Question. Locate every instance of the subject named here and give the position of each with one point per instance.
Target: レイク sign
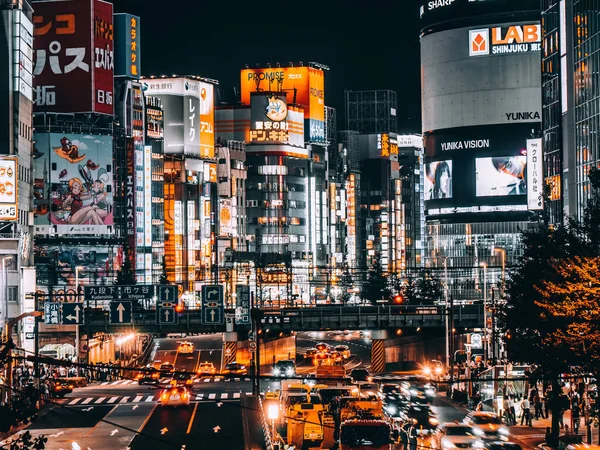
(502, 40)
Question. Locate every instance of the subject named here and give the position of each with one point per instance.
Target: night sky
(368, 44)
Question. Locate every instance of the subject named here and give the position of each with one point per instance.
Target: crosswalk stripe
(126, 382)
(249, 394)
(246, 379)
(224, 396)
(199, 396)
(207, 380)
(150, 398)
(100, 400)
(74, 401)
(137, 399)
(114, 383)
(87, 400)
(236, 395)
(236, 379)
(124, 400)
(217, 380)
(104, 383)
(112, 399)
(212, 396)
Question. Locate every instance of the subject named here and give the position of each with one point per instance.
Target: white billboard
(535, 175)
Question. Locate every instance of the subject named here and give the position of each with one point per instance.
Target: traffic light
(398, 299)
(180, 306)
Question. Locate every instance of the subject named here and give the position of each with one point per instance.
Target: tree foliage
(25, 441)
(428, 289)
(125, 276)
(346, 284)
(376, 286)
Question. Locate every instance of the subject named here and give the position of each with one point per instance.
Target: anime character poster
(73, 183)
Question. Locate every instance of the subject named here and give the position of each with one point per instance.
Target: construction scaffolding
(371, 111)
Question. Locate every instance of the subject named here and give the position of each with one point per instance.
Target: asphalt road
(121, 414)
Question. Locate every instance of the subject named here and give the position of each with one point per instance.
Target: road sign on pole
(120, 312)
(52, 313)
(167, 293)
(72, 314)
(242, 310)
(212, 305)
(166, 316)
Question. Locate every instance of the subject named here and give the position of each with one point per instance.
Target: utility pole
(447, 312)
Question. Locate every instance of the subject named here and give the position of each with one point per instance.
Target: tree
(428, 288)
(408, 290)
(25, 441)
(163, 276)
(346, 285)
(376, 286)
(125, 276)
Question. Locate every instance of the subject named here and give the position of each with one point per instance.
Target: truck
(310, 426)
(334, 375)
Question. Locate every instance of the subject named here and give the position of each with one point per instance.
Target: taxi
(185, 348)
(206, 368)
(235, 368)
(175, 396)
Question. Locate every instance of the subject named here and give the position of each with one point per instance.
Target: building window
(12, 293)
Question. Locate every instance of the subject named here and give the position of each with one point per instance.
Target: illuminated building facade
(190, 179)
(477, 125)
(570, 127)
(16, 163)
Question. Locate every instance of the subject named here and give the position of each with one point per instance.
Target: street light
(485, 266)
(273, 414)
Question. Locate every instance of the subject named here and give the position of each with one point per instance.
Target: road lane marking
(224, 395)
(87, 400)
(189, 428)
(126, 382)
(112, 399)
(124, 400)
(199, 396)
(76, 400)
(236, 395)
(137, 399)
(249, 394)
(212, 396)
(100, 400)
(207, 380)
(150, 398)
(104, 383)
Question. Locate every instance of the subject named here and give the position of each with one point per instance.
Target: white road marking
(87, 400)
(100, 400)
(236, 395)
(112, 399)
(212, 396)
(74, 401)
(104, 383)
(137, 399)
(124, 400)
(224, 395)
(150, 398)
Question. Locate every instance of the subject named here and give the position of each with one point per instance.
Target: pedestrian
(525, 415)
(513, 416)
(412, 436)
(506, 409)
(537, 404)
(575, 417)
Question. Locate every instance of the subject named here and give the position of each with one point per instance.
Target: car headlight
(504, 431)
(289, 372)
(427, 371)
(478, 444)
(478, 432)
(438, 370)
(434, 421)
(429, 392)
(391, 410)
(277, 372)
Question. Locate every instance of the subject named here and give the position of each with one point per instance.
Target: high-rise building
(371, 111)
(16, 156)
(481, 102)
(570, 97)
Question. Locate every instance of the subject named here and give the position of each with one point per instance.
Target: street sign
(251, 336)
(476, 341)
(120, 312)
(166, 316)
(252, 346)
(29, 335)
(212, 305)
(72, 314)
(242, 310)
(167, 293)
(52, 313)
(113, 292)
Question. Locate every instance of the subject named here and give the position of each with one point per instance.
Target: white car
(487, 425)
(458, 435)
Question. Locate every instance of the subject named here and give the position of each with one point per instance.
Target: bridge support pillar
(378, 338)
(230, 340)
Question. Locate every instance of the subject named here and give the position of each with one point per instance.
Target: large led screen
(438, 180)
(501, 176)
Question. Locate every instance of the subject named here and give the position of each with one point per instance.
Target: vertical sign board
(73, 42)
(52, 313)
(127, 46)
(8, 189)
(242, 310)
(535, 175)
